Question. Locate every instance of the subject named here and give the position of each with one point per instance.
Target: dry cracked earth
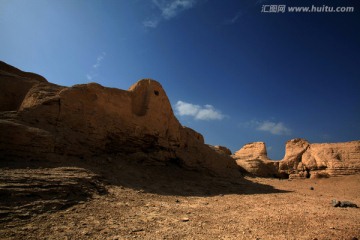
(139, 201)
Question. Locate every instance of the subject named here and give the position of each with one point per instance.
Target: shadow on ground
(33, 186)
(173, 179)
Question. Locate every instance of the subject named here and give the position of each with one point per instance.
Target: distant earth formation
(302, 159)
(41, 120)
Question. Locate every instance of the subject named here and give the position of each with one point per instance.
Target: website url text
(312, 9)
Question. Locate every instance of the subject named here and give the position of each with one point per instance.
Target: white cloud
(278, 128)
(207, 112)
(169, 9)
(99, 60)
(186, 109)
(93, 73)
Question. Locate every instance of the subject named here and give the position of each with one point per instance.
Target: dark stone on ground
(343, 204)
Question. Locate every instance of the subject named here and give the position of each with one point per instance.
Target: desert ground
(143, 201)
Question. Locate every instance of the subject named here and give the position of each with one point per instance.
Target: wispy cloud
(246, 8)
(235, 18)
(276, 128)
(206, 112)
(151, 23)
(90, 76)
(169, 9)
(94, 71)
(99, 60)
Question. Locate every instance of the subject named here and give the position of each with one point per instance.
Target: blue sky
(232, 72)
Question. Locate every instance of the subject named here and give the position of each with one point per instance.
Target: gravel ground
(170, 203)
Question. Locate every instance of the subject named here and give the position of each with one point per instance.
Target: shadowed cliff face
(302, 159)
(14, 86)
(44, 119)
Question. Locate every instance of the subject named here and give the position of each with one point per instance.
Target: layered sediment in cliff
(302, 159)
(41, 119)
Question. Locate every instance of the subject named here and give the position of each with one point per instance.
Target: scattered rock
(343, 204)
(185, 219)
(335, 203)
(348, 204)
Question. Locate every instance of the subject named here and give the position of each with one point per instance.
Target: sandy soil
(166, 202)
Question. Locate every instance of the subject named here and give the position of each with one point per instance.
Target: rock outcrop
(38, 118)
(14, 86)
(26, 192)
(253, 159)
(302, 159)
(326, 159)
(221, 149)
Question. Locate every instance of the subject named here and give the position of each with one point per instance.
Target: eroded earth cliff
(41, 120)
(302, 159)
